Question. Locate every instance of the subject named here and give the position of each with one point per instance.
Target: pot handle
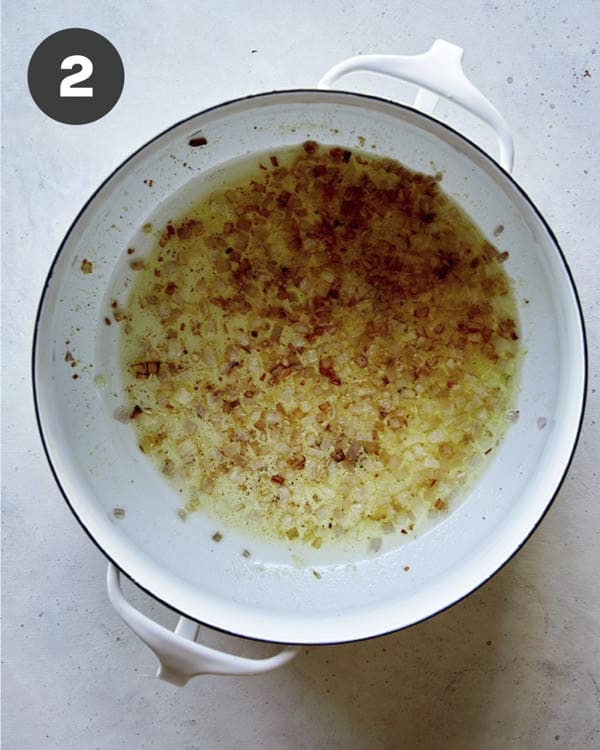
(179, 656)
(437, 72)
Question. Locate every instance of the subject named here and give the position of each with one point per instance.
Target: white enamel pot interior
(274, 594)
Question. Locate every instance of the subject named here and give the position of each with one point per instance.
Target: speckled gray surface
(517, 664)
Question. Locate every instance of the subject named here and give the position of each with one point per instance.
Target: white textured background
(517, 664)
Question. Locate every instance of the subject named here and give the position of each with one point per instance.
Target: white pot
(270, 596)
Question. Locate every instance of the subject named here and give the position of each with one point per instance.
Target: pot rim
(324, 94)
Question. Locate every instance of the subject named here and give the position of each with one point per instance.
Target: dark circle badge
(76, 76)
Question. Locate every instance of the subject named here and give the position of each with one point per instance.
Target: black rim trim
(486, 157)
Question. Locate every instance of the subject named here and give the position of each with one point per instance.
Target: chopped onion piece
(276, 332)
(209, 357)
(375, 544)
(353, 450)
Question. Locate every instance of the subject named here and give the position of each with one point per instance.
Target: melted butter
(322, 350)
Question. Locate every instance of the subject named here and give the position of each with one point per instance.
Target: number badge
(76, 76)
